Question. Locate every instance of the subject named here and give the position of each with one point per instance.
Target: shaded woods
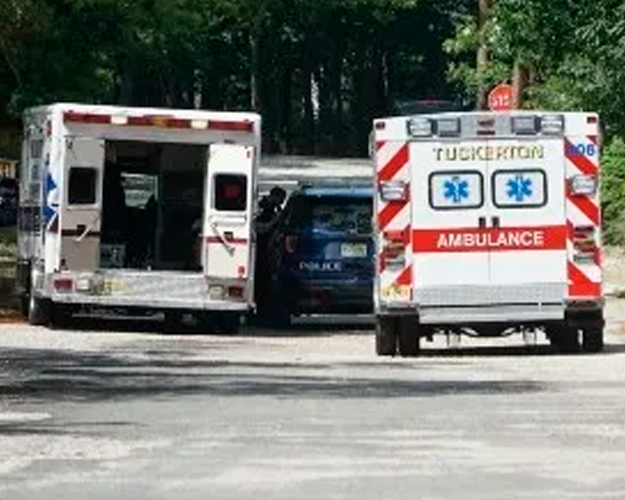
(318, 71)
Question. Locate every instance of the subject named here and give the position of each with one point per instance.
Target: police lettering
(515, 239)
(489, 153)
(320, 266)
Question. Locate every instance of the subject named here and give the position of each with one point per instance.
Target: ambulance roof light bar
(552, 124)
(419, 127)
(532, 124)
(525, 124)
(426, 127)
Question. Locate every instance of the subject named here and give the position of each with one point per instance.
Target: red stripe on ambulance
(489, 239)
(584, 213)
(394, 165)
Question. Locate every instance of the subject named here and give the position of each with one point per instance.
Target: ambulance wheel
(38, 310)
(386, 336)
(565, 340)
(61, 316)
(592, 339)
(172, 321)
(409, 340)
(229, 323)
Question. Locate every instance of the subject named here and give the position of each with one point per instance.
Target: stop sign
(500, 97)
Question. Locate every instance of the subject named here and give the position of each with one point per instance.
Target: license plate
(353, 250)
(109, 286)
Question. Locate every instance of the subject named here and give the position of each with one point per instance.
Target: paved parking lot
(312, 414)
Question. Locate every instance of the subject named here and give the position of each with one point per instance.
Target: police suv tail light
(448, 127)
(525, 125)
(552, 124)
(419, 127)
(583, 184)
(290, 243)
(393, 190)
(584, 244)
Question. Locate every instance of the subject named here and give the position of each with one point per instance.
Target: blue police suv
(321, 254)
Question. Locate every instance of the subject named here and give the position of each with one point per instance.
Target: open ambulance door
(81, 204)
(228, 211)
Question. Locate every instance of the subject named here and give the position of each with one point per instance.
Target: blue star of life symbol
(519, 188)
(456, 189)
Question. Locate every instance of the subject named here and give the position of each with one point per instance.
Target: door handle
(495, 221)
(482, 222)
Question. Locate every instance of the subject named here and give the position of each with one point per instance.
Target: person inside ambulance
(265, 224)
(114, 209)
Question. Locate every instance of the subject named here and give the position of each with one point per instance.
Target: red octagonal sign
(500, 97)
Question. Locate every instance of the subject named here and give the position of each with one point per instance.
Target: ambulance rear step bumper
(499, 313)
(154, 290)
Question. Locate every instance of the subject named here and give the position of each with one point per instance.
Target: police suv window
(82, 188)
(456, 190)
(519, 188)
(230, 192)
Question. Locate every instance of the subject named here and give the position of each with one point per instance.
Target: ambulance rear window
(82, 186)
(456, 190)
(519, 188)
(230, 192)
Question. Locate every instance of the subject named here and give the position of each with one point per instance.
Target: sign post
(500, 98)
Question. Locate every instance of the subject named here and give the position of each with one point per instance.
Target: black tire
(38, 311)
(409, 340)
(592, 339)
(229, 323)
(172, 321)
(277, 313)
(61, 316)
(386, 336)
(565, 340)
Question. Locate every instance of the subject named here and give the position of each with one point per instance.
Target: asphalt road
(314, 415)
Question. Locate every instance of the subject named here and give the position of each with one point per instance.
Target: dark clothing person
(265, 224)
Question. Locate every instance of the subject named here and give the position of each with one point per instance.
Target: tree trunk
(482, 54)
(520, 78)
(255, 64)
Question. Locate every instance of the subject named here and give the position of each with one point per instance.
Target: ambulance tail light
(583, 185)
(395, 190)
(585, 244)
(419, 127)
(394, 249)
(393, 254)
(63, 285)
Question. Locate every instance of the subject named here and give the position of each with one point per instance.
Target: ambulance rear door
(527, 216)
(228, 211)
(448, 186)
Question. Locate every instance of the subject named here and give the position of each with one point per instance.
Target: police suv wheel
(386, 336)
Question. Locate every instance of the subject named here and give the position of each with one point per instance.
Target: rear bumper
(150, 290)
(329, 297)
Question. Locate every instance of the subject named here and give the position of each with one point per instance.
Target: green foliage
(613, 192)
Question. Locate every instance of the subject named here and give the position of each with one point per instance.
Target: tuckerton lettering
(492, 240)
(489, 153)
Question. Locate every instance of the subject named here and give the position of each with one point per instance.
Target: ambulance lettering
(488, 240)
(489, 153)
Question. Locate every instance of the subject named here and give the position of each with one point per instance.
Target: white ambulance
(139, 209)
(488, 223)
